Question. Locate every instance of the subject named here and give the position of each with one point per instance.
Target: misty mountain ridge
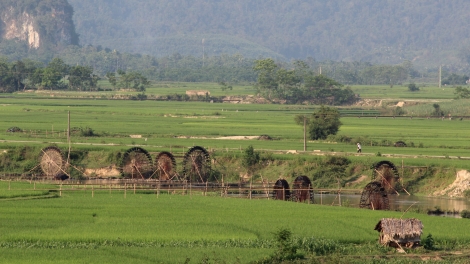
(422, 31)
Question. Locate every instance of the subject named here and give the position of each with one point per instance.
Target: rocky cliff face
(39, 26)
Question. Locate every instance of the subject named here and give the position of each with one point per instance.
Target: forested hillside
(423, 31)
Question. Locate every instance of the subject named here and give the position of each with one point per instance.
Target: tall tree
(267, 84)
(322, 123)
(82, 78)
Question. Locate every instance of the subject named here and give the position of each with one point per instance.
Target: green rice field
(110, 227)
(43, 223)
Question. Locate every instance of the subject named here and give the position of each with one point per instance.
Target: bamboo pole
(158, 189)
(250, 190)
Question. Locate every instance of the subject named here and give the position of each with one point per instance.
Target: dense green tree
(267, 84)
(384, 74)
(455, 79)
(7, 84)
(412, 87)
(299, 85)
(53, 74)
(323, 122)
(250, 158)
(82, 78)
(461, 92)
(437, 110)
(111, 76)
(132, 80)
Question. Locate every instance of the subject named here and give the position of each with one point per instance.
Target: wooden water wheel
(374, 196)
(387, 174)
(281, 190)
(400, 144)
(302, 189)
(165, 166)
(197, 165)
(52, 162)
(136, 163)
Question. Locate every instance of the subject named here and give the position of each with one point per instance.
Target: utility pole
(305, 133)
(440, 74)
(203, 55)
(68, 128)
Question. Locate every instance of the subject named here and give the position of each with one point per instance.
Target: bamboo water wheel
(165, 166)
(197, 165)
(52, 162)
(281, 190)
(375, 197)
(387, 174)
(136, 163)
(302, 189)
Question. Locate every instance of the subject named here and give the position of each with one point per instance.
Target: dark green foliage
(322, 123)
(225, 86)
(461, 92)
(398, 111)
(19, 159)
(429, 243)
(286, 248)
(81, 78)
(384, 74)
(465, 214)
(132, 80)
(87, 132)
(437, 110)
(455, 79)
(250, 157)
(413, 87)
(331, 172)
(299, 85)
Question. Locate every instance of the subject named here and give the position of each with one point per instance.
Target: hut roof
(402, 228)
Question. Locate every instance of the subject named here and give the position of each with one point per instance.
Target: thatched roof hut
(400, 232)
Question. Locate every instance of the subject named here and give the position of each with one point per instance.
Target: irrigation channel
(328, 197)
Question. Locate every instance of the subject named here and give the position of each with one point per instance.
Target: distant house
(197, 92)
(400, 232)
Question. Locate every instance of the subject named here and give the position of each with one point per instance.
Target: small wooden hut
(400, 232)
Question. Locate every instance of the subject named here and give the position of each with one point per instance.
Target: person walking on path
(359, 149)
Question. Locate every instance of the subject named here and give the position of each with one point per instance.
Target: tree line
(39, 69)
(57, 75)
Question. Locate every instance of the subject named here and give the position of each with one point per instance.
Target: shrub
(413, 87)
(465, 214)
(428, 243)
(87, 132)
(250, 157)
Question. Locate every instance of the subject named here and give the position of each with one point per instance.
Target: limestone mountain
(38, 24)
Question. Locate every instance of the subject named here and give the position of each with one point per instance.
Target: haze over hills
(422, 31)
